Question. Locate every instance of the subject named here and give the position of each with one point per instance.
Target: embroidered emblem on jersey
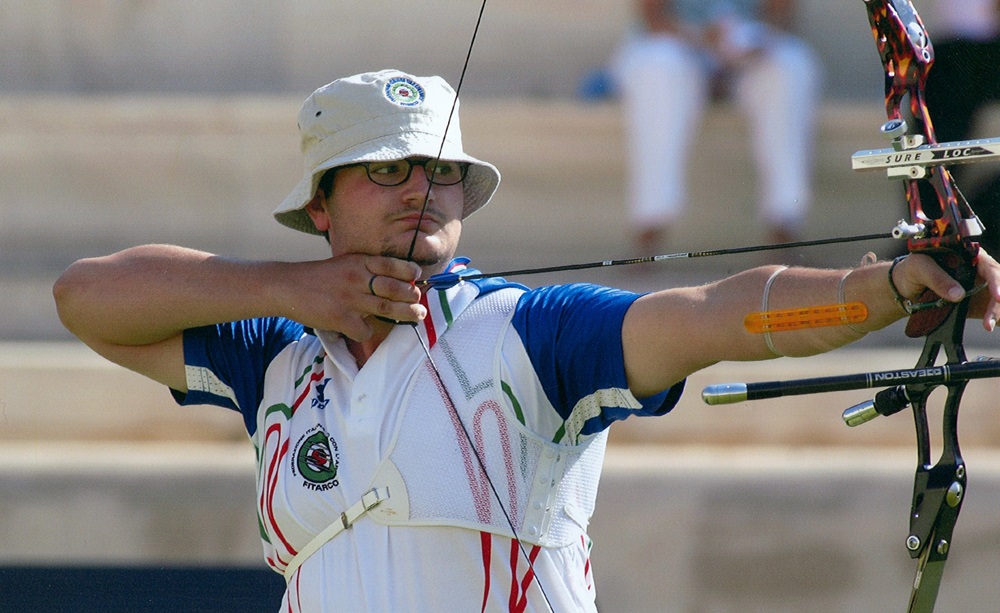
(320, 401)
(404, 92)
(316, 460)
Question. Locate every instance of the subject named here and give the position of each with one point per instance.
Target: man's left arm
(671, 334)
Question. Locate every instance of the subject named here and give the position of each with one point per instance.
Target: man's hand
(918, 272)
(986, 304)
(345, 293)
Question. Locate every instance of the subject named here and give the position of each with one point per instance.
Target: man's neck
(362, 350)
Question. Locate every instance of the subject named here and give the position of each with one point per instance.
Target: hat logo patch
(404, 91)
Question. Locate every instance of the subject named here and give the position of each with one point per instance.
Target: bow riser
(907, 56)
(950, 228)
(950, 233)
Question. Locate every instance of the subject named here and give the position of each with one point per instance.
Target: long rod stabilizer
(729, 393)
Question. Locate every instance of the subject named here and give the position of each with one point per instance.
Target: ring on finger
(371, 286)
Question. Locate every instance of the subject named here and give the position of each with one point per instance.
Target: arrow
(446, 280)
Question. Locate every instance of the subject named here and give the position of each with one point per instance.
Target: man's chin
(417, 257)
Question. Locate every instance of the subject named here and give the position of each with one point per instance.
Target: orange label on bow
(809, 317)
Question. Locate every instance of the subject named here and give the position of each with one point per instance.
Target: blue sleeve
(230, 360)
(573, 336)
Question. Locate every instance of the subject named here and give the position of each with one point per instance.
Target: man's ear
(318, 213)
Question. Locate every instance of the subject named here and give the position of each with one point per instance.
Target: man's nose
(418, 182)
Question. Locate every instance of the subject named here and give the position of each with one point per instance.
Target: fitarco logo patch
(316, 459)
(404, 91)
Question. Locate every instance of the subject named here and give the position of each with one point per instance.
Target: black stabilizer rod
(729, 393)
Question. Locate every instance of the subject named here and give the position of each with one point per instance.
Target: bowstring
(430, 360)
(447, 126)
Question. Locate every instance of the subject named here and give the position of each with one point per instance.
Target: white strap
(369, 501)
(764, 308)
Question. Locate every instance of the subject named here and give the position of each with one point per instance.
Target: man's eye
(385, 169)
(445, 168)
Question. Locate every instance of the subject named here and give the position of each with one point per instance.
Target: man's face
(365, 217)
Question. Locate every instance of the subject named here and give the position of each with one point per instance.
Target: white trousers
(664, 84)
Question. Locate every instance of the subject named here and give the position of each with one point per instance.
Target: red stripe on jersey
(313, 378)
(273, 470)
(486, 544)
(271, 484)
(519, 593)
(512, 601)
(298, 590)
(428, 322)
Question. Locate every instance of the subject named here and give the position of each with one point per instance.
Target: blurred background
(134, 121)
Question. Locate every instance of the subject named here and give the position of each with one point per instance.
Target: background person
(666, 72)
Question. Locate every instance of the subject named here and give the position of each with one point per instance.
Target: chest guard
(433, 474)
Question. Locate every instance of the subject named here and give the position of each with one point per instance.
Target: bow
(943, 226)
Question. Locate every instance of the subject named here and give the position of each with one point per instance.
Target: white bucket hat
(378, 116)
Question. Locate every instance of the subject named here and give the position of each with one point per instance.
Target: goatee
(399, 254)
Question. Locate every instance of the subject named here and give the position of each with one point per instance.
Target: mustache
(429, 213)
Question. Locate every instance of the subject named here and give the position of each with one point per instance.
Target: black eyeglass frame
(410, 163)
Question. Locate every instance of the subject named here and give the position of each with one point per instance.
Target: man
(372, 436)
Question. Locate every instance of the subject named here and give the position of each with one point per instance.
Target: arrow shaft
(658, 258)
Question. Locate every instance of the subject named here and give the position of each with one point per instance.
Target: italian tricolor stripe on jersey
(275, 443)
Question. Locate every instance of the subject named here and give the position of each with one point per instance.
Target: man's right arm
(133, 306)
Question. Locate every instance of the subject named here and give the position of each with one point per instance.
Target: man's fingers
(393, 268)
(923, 272)
(391, 291)
(988, 271)
(918, 272)
(396, 310)
(395, 299)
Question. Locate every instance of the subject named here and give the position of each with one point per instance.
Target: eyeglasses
(397, 172)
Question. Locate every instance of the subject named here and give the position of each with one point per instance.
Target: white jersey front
(322, 428)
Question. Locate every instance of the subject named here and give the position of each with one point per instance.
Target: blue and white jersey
(322, 427)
